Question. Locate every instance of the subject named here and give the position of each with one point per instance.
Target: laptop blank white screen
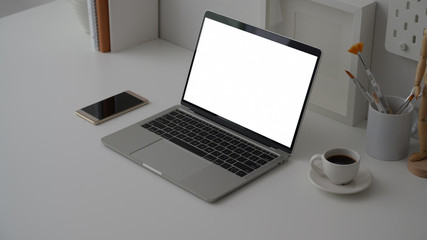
(252, 81)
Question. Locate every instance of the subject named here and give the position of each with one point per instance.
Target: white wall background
(8, 7)
(180, 22)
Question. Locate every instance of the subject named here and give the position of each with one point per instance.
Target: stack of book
(118, 24)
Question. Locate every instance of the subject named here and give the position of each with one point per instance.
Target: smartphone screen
(111, 107)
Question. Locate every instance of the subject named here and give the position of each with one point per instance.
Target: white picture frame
(333, 26)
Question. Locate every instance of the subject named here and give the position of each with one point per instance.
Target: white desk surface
(57, 180)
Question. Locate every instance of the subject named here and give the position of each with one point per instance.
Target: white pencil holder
(388, 135)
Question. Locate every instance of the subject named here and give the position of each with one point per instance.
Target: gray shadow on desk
(379, 189)
(366, 194)
(252, 183)
(414, 146)
(372, 191)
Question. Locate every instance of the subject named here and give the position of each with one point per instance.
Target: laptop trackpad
(170, 160)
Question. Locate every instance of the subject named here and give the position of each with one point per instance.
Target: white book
(132, 22)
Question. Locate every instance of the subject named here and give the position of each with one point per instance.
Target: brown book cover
(103, 25)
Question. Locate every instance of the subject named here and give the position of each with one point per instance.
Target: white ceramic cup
(388, 135)
(331, 165)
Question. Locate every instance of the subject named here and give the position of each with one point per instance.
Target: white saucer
(362, 181)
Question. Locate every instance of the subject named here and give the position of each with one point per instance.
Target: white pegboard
(406, 22)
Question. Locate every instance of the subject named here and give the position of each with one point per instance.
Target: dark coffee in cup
(341, 159)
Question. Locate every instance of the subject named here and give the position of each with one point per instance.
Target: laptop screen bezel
(267, 35)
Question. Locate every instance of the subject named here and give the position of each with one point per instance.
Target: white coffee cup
(339, 165)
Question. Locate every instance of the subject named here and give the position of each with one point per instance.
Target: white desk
(57, 181)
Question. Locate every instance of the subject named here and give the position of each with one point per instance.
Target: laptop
(242, 106)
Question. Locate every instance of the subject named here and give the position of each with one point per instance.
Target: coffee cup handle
(316, 158)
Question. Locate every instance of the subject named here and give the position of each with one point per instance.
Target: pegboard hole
(395, 33)
(408, 5)
(405, 26)
(416, 18)
(414, 39)
(397, 13)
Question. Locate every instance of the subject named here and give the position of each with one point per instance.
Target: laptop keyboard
(205, 140)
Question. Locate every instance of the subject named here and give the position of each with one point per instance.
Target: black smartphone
(112, 107)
